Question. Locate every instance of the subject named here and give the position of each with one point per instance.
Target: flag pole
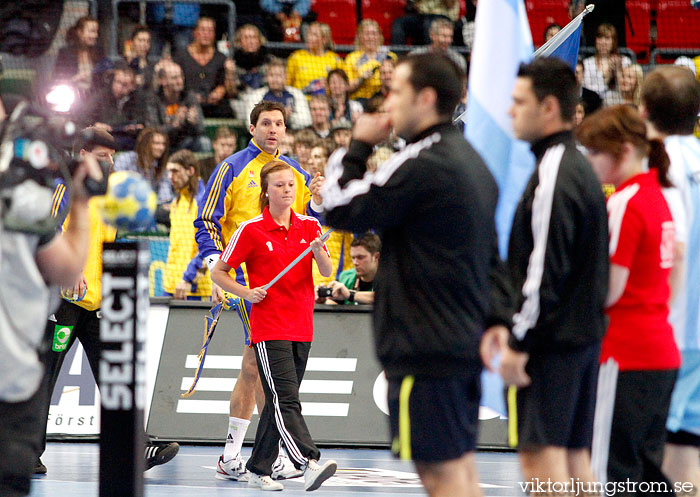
(563, 32)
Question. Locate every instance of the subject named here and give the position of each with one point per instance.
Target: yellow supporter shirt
(183, 261)
(303, 68)
(99, 233)
(357, 63)
(339, 247)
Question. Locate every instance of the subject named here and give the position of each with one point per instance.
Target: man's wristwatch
(351, 297)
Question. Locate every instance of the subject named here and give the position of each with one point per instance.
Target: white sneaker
(315, 474)
(233, 469)
(283, 469)
(263, 482)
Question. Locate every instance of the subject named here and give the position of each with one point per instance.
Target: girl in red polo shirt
(639, 356)
(281, 320)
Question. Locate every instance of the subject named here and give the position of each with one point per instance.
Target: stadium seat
(638, 26)
(542, 13)
(341, 16)
(678, 25)
(384, 12)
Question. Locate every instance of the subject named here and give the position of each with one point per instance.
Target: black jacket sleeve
(502, 295)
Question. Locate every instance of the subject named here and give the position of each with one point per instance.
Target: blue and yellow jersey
(184, 260)
(99, 233)
(339, 247)
(232, 196)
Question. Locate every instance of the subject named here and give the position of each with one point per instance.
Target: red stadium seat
(638, 26)
(384, 12)
(341, 16)
(678, 25)
(542, 13)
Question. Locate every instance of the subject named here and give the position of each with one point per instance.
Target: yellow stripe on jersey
(405, 418)
(512, 416)
(56, 199)
(211, 203)
(244, 314)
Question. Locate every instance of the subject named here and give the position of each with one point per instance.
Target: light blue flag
(502, 41)
(564, 45)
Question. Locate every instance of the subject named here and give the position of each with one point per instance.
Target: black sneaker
(39, 469)
(157, 454)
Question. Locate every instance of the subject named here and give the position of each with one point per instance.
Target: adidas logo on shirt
(252, 184)
(302, 241)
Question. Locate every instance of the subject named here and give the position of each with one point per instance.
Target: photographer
(30, 263)
(356, 285)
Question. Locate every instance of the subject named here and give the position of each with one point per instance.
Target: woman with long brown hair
(639, 357)
(149, 158)
(82, 61)
(281, 321)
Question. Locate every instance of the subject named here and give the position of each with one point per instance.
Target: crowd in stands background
(155, 100)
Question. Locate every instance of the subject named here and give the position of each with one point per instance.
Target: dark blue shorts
(434, 419)
(557, 409)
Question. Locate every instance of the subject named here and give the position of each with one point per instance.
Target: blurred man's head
(364, 251)
(304, 140)
(123, 82)
(341, 132)
(425, 90)
(171, 78)
(97, 143)
(204, 32)
(276, 75)
(671, 100)
(140, 41)
(544, 99)
(441, 33)
(386, 72)
(320, 112)
(224, 143)
(550, 31)
(318, 156)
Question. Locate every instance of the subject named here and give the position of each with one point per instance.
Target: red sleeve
(238, 247)
(625, 236)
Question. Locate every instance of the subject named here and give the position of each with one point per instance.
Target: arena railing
(670, 54)
(113, 46)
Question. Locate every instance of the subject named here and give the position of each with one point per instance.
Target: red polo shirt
(639, 336)
(266, 248)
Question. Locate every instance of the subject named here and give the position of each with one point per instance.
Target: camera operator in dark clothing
(31, 264)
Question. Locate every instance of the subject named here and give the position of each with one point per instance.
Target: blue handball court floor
(73, 472)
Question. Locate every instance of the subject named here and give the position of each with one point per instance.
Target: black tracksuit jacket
(433, 205)
(560, 289)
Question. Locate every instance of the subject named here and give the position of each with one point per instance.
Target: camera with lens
(33, 159)
(325, 292)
